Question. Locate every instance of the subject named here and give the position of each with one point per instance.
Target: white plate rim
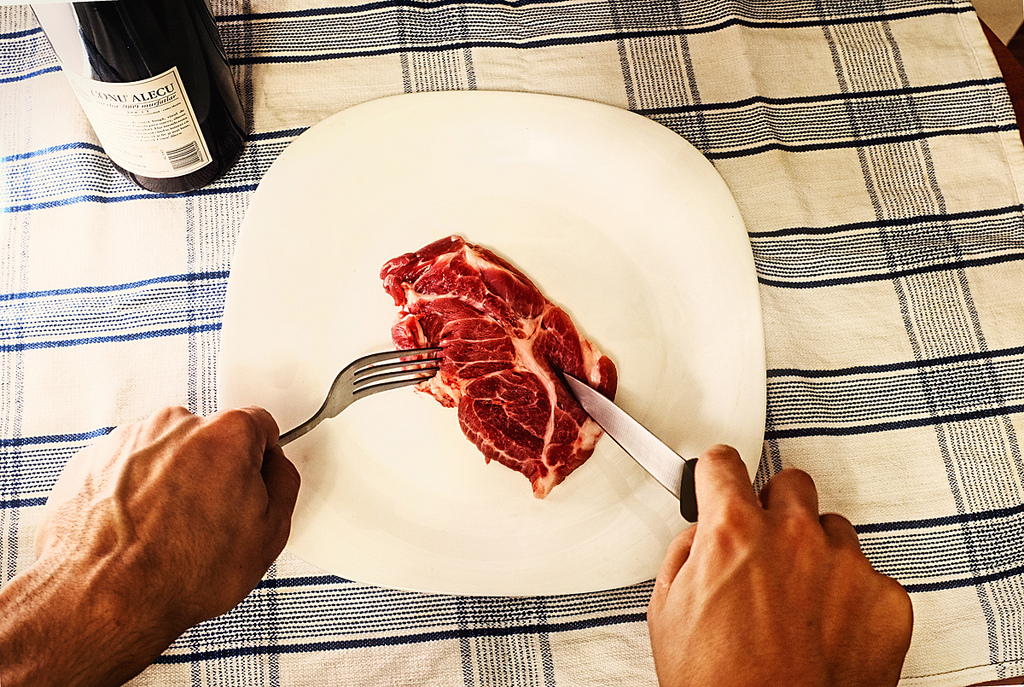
(532, 131)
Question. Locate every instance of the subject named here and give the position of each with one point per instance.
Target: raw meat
(501, 341)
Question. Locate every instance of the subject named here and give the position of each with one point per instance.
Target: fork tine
(369, 375)
(392, 374)
(388, 382)
(376, 359)
(374, 370)
(392, 367)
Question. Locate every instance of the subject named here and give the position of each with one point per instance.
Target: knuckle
(836, 520)
(159, 427)
(794, 479)
(840, 530)
(895, 591)
(799, 526)
(234, 433)
(234, 424)
(220, 436)
(894, 606)
(850, 558)
(170, 414)
(735, 525)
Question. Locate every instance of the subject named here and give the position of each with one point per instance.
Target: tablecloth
(872, 150)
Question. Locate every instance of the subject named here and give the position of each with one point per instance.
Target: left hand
(154, 528)
(188, 511)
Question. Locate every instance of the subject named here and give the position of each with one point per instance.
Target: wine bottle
(155, 84)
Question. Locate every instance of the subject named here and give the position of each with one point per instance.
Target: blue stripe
(891, 275)
(56, 438)
(114, 338)
(75, 145)
(868, 18)
(20, 34)
(887, 223)
(144, 195)
(818, 99)
(894, 425)
(107, 288)
(121, 312)
(84, 145)
(858, 142)
(579, 39)
(22, 503)
(272, 135)
(927, 523)
(954, 387)
(374, 6)
(455, 46)
(402, 640)
(893, 367)
(307, 581)
(976, 581)
(29, 75)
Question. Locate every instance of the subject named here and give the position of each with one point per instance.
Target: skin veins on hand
(173, 520)
(152, 529)
(766, 591)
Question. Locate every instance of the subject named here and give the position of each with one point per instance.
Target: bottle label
(147, 127)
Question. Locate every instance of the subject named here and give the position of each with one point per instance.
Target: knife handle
(688, 492)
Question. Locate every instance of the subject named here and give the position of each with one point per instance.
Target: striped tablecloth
(873, 153)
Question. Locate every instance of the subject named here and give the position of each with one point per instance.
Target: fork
(369, 375)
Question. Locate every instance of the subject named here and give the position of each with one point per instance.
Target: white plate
(614, 217)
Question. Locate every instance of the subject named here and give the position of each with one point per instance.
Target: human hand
(764, 591)
(156, 527)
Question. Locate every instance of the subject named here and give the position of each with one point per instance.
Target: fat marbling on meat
(501, 342)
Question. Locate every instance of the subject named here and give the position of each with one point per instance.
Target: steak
(502, 342)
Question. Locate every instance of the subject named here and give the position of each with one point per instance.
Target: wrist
(65, 624)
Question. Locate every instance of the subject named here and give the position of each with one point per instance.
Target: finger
(676, 556)
(790, 489)
(721, 477)
(250, 429)
(282, 480)
(839, 530)
(269, 432)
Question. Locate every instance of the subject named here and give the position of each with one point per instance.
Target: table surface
(876, 161)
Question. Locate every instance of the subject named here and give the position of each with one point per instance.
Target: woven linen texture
(873, 153)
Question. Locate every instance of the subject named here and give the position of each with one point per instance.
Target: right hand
(765, 591)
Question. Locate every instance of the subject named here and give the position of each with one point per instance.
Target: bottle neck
(60, 24)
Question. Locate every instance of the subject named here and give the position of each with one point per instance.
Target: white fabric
(876, 161)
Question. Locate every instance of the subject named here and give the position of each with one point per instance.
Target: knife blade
(670, 469)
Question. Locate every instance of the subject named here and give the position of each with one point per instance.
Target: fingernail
(721, 451)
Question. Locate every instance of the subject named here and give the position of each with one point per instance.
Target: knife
(670, 469)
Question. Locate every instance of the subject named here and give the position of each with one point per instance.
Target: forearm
(65, 626)
(134, 550)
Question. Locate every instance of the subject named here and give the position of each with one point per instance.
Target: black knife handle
(688, 492)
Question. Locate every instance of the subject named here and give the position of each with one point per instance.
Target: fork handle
(294, 434)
